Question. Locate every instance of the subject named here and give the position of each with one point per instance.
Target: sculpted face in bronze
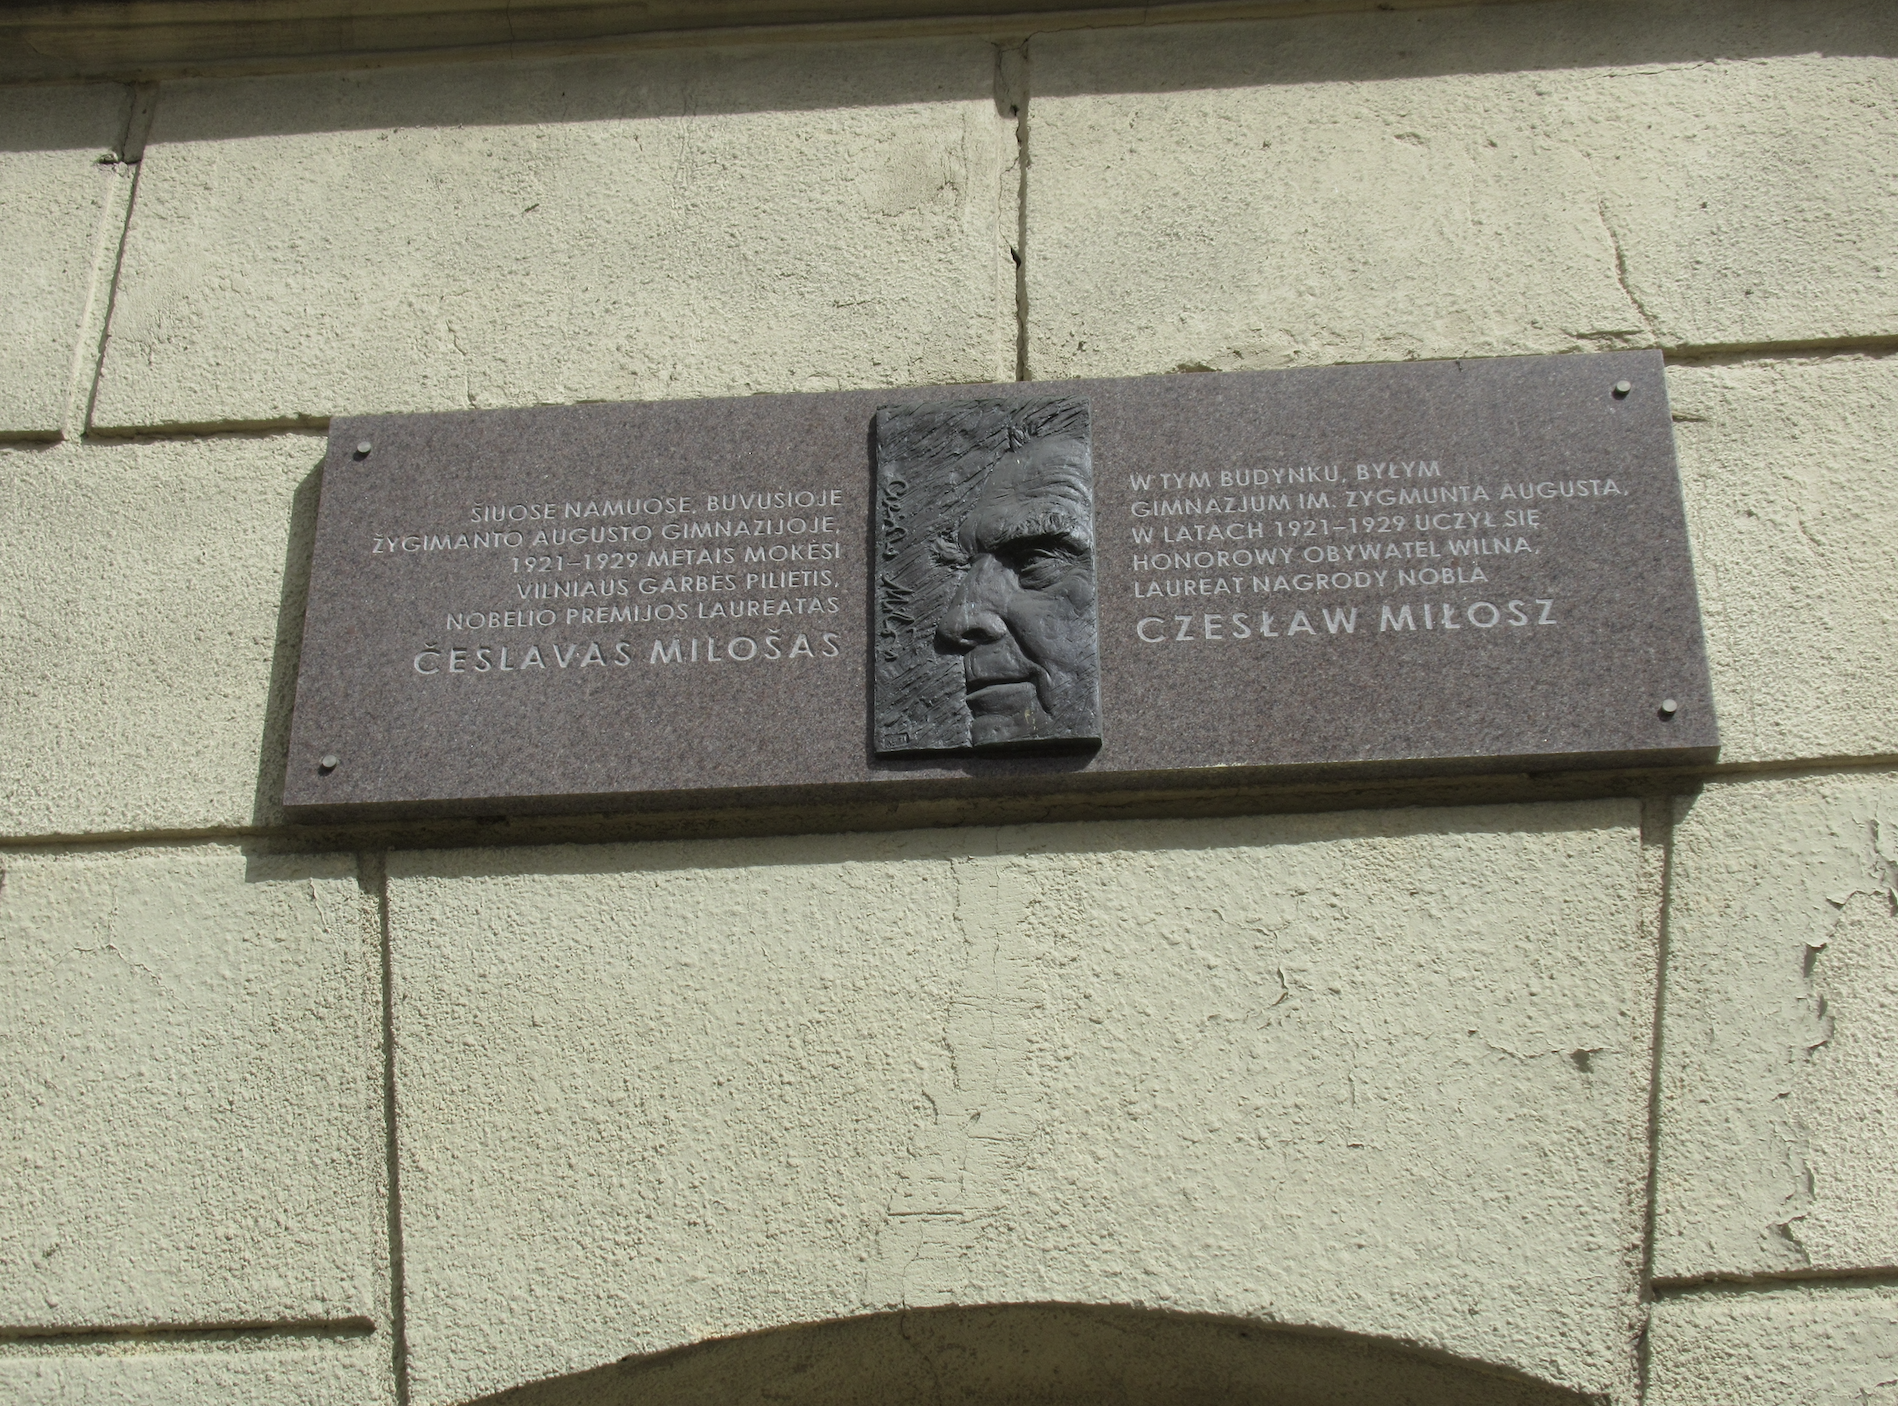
(986, 633)
(1024, 614)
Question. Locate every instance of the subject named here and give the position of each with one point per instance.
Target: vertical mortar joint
(1011, 101)
(1659, 816)
(374, 869)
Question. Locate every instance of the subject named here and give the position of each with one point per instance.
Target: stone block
(1792, 510)
(60, 191)
(670, 224)
(1779, 1105)
(348, 1373)
(192, 1120)
(150, 603)
(1817, 1346)
(1479, 181)
(1378, 1072)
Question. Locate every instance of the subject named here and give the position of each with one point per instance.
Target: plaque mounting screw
(1669, 707)
(362, 449)
(328, 763)
(1621, 393)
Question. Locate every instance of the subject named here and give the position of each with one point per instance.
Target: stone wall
(1586, 1083)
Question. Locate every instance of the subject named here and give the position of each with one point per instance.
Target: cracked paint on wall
(1779, 1100)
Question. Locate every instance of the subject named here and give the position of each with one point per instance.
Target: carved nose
(974, 617)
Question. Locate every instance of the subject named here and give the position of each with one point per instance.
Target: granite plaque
(1163, 582)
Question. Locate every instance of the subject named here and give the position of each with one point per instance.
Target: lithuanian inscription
(723, 577)
(1168, 581)
(986, 628)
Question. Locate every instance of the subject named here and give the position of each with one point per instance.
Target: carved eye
(1039, 567)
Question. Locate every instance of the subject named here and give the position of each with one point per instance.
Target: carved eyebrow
(1051, 527)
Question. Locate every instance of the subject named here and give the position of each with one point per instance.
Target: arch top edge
(1043, 1354)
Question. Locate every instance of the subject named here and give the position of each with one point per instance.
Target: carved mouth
(1013, 696)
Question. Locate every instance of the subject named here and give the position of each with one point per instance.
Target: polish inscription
(1345, 550)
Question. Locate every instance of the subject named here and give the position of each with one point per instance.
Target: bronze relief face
(987, 622)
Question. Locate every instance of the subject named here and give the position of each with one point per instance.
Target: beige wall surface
(1779, 1090)
(1587, 1091)
(192, 1086)
(1790, 1347)
(60, 192)
(656, 1095)
(292, 1374)
(155, 594)
(1462, 182)
(678, 225)
(1792, 507)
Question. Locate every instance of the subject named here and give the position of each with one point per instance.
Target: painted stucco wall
(1592, 1084)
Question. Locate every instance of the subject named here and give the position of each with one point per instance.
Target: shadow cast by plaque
(512, 857)
(274, 747)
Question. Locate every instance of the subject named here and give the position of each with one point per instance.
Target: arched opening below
(1040, 1355)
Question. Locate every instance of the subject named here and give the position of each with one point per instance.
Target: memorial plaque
(1197, 580)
